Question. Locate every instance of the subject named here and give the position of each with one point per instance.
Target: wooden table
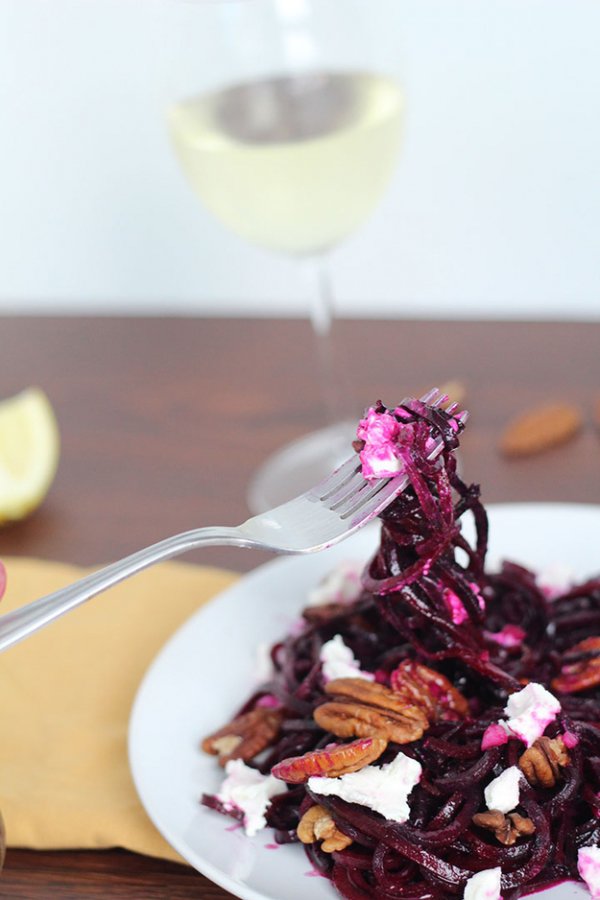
(163, 422)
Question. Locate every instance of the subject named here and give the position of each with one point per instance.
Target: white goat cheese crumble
(339, 661)
(264, 669)
(588, 865)
(484, 885)
(249, 791)
(529, 712)
(503, 792)
(384, 789)
(341, 585)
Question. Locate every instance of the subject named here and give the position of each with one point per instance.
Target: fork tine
(378, 499)
(358, 497)
(347, 490)
(432, 398)
(426, 398)
(369, 496)
(336, 480)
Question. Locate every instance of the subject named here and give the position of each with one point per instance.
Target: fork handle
(20, 623)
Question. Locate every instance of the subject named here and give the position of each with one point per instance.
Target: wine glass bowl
(294, 163)
(290, 139)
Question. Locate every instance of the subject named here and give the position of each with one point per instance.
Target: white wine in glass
(293, 163)
(293, 154)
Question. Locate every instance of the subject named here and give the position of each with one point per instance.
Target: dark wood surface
(163, 422)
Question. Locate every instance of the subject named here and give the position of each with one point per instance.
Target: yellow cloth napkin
(65, 697)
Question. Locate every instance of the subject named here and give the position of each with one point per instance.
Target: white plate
(206, 670)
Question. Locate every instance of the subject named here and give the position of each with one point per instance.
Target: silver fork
(325, 515)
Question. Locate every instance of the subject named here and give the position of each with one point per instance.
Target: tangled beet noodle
(402, 613)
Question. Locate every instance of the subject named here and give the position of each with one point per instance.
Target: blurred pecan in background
(540, 428)
(581, 667)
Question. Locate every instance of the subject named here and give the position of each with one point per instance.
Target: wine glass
(289, 133)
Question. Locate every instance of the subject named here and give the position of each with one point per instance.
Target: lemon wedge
(29, 451)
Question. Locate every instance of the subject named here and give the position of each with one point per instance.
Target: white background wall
(494, 210)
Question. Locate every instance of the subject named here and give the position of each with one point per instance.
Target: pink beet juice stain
(314, 873)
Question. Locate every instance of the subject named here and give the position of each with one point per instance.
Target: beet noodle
(402, 613)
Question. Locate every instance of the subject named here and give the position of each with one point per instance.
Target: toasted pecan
(317, 825)
(428, 689)
(245, 737)
(331, 762)
(324, 612)
(506, 829)
(361, 708)
(455, 390)
(581, 668)
(359, 690)
(541, 763)
(347, 719)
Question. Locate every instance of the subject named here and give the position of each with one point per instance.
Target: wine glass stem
(322, 317)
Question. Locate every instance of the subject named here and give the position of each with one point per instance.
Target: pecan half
(332, 761)
(542, 762)
(432, 691)
(506, 829)
(317, 825)
(362, 708)
(320, 615)
(581, 669)
(246, 736)
(455, 390)
(540, 428)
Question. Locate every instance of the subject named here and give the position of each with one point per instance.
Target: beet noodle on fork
(471, 660)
